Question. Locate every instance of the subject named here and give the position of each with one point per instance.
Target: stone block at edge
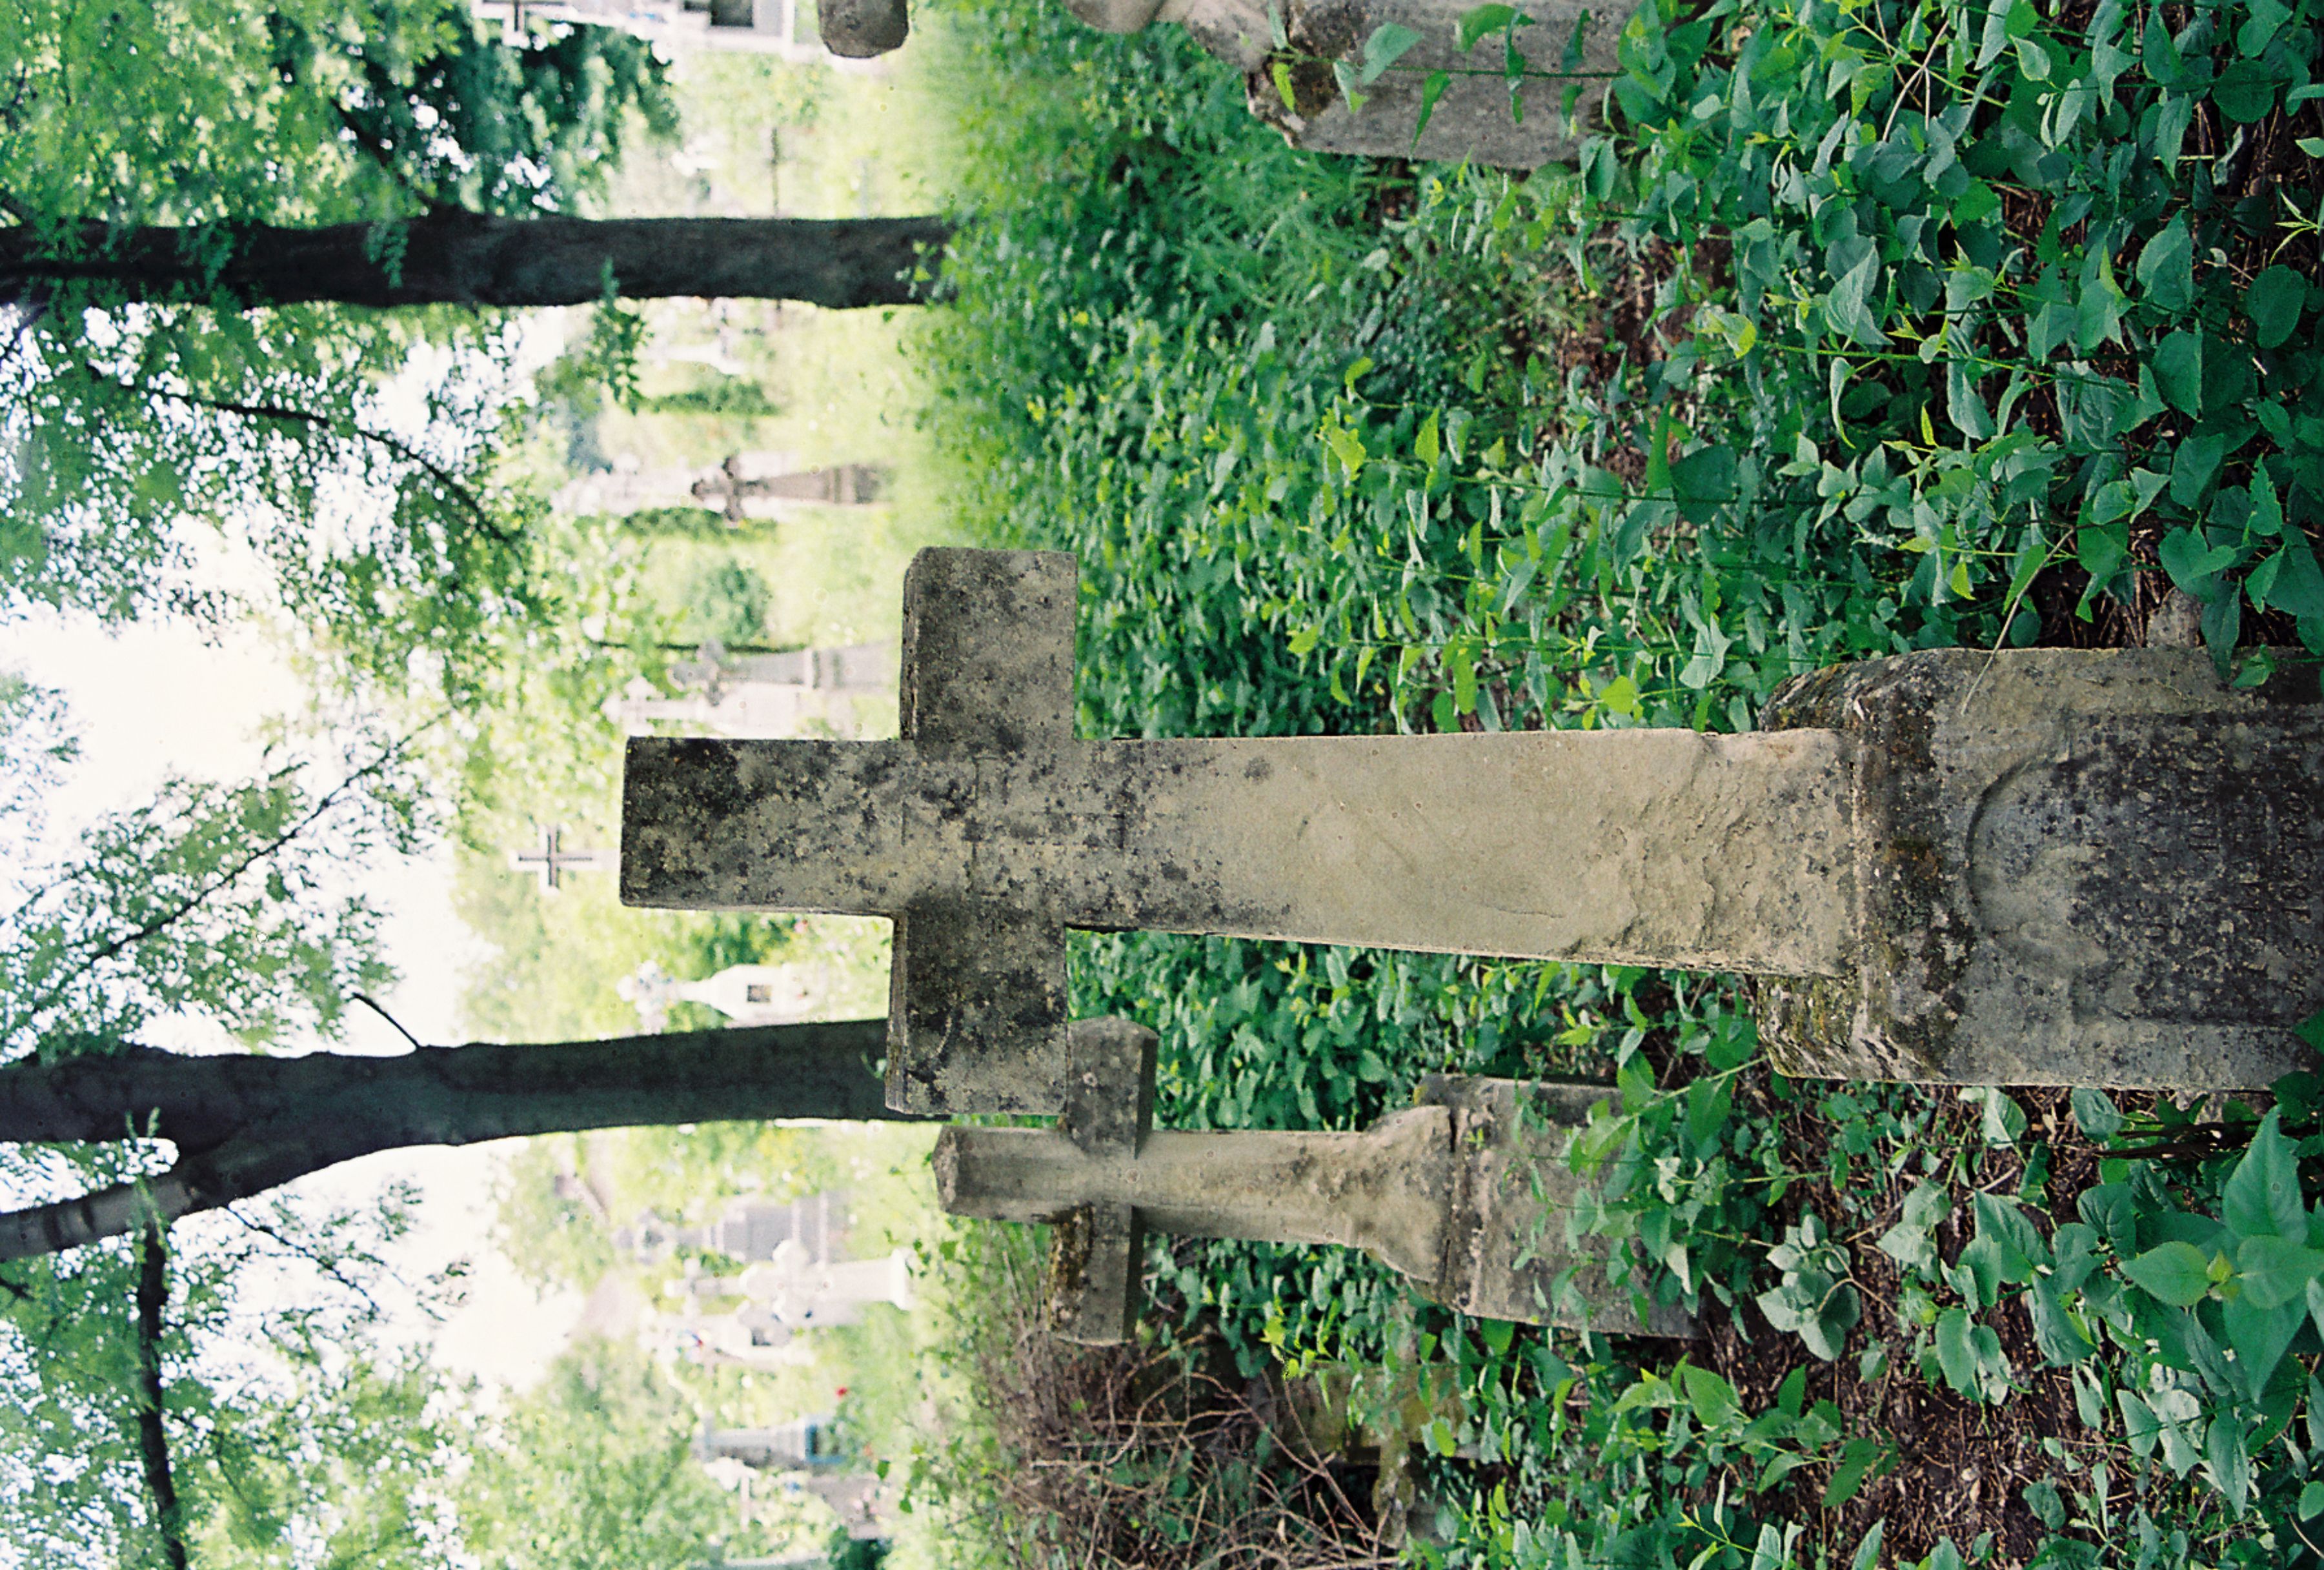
(1513, 1189)
(2098, 867)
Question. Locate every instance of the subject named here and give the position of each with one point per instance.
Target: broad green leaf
(2194, 466)
(2020, 1243)
(1910, 1246)
(1856, 1460)
(1390, 42)
(2259, 29)
(2294, 586)
(2179, 371)
(1475, 23)
(2192, 564)
(2177, 1273)
(2054, 1333)
(1712, 1399)
(1431, 91)
(2228, 1462)
(2260, 1337)
(2261, 1197)
(2276, 1271)
(1956, 1352)
(2095, 1110)
(2074, 1247)
(2166, 274)
(1792, 1392)
(2141, 1426)
(2274, 302)
(1848, 306)
(1976, 1275)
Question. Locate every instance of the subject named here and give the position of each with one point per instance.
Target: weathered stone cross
(1463, 1193)
(989, 829)
(2049, 866)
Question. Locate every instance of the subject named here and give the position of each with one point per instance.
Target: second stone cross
(2048, 867)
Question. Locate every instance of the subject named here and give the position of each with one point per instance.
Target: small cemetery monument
(551, 860)
(747, 994)
(2041, 866)
(793, 692)
(740, 490)
(1463, 1194)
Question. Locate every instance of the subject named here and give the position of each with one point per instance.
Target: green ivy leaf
(1956, 1352)
(1431, 91)
(2179, 371)
(2054, 1333)
(1856, 1459)
(2166, 274)
(2228, 1462)
(1390, 42)
(2273, 302)
(2194, 466)
(2192, 564)
(1848, 306)
(2260, 1337)
(1715, 1403)
(2096, 1113)
(2261, 1197)
(1474, 24)
(2174, 1272)
(2259, 30)
(2295, 586)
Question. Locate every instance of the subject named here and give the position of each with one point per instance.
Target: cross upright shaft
(1638, 847)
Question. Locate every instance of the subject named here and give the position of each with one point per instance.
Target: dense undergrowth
(1866, 328)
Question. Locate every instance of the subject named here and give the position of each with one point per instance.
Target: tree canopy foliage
(349, 449)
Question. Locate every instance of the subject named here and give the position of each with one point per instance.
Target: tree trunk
(460, 258)
(242, 1125)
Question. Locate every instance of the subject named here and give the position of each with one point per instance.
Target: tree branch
(217, 883)
(153, 1297)
(468, 498)
(451, 256)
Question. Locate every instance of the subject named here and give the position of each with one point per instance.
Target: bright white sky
(154, 698)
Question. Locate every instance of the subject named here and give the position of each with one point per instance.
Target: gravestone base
(2073, 867)
(1505, 1246)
